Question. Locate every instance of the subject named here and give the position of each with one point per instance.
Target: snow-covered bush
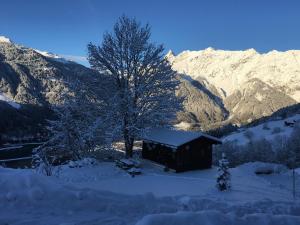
(255, 150)
(259, 150)
(107, 154)
(74, 130)
(223, 177)
(288, 149)
(268, 168)
(86, 162)
(263, 168)
(281, 150)
(43, 161)
(233, 152)
(294, 145)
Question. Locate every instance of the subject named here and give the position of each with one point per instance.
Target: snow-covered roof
(175, 137)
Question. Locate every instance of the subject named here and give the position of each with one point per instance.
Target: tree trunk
(128, 143)
(129, 146)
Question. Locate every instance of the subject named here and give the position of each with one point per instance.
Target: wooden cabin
(179, 150)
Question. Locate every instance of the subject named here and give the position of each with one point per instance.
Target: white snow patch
(183, 126)
(296, 95)
(259, 97)
(214, 217)
(5, 39)
(84, 196)
(53, 56)
(174, 137)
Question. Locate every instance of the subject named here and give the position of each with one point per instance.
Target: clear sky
(66, 26)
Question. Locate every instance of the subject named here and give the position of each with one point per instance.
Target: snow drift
(28, 198)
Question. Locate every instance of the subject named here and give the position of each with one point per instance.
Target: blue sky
(66, 26)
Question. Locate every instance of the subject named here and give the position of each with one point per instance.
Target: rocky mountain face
(236, 86)
(28, 77)
(255, 99)
(29, 83)
(220, 87)
(202, 107)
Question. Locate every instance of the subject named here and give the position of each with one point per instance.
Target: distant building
(179, 150)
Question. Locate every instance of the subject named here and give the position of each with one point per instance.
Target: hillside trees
(73, 131)
(142, 85)
(283, 149)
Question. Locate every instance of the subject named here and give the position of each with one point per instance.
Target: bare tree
(141, 83)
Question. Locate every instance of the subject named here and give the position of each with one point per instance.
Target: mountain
(240, 86)
(255, 99)
(202, 107)
(31, 81)
(220, 87)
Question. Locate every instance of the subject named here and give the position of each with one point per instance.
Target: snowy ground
(104, 194)
(265, 130)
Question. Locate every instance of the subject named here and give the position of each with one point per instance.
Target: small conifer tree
(223, 178)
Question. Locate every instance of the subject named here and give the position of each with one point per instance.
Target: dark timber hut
(179, 150)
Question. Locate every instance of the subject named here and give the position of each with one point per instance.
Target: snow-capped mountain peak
(47, 54)
(209, 49)
(170, 55)
(5, 39)
(228, 71)
(53, 56)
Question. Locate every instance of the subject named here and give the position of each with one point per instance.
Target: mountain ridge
(30, 83)
(230, 69)
(219, 87)
(249, 84)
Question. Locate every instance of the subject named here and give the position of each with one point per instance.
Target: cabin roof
(175, 137)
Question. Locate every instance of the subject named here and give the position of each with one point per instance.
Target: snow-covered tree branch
(73, 131)
(142, 84)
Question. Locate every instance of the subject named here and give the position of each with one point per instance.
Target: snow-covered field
(104, 194)
(268, 130)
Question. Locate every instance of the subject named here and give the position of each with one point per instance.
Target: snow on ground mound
(213, 217)
(24, 186)
(261, 167)
(37, 199)
(268, 130)
(9, 101)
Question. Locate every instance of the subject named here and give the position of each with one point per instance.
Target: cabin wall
(160, 153)
(194, 155)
